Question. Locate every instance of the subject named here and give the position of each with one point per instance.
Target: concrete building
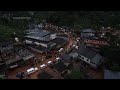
(90, 57)
(87, 33)
(44, 41)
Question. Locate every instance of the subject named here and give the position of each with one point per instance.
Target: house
(95, 42)
(108, 74)
(66, 58)
(40, 41)
(24, 53)
(106, 29)
(61, 68)
(9, 57)
(87, 33)
(90, 57)
(44, 75)
(60, 42)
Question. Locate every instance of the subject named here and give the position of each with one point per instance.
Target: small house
(61, 68)
(24, 53)
(66, 58)
(87, 33)
(90, 57)
(8, 55)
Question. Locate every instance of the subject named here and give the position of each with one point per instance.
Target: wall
(84, 59)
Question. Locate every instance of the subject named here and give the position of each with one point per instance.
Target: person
(35, 60)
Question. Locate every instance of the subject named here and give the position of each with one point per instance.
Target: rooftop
(73, 54)
(108, 74)
(42, 35)
(66, 57)
(86, 52)
(60, 67)
(24, 53)
(93, 56)
(15, 59)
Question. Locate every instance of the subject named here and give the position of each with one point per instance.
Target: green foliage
(2, 77)
(6, 32)
(76, 74)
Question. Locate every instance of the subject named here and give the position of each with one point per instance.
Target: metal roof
(42, 35)
(66, 57)
(108, 74)
(17, 58)
(88, 53)
(73, 54)
(97, 59)
(60, 67)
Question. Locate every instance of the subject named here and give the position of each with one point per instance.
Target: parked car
(32, 70)
(43, 66)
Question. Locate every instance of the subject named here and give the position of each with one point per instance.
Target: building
(24, 53)
(66, 58)
(61, 68)
(87, 33)
(40, 41)
(95, 42)
(108, 74)
(44, 41)
(90, 57)
(8, 56)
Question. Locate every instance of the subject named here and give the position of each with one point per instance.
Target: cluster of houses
(11, 56)
(49, 26)
(94, 39)
(39, 39)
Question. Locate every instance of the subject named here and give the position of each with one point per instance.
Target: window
(87, 60)
(82, 58)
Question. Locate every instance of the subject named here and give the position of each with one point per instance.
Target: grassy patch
(75, 74)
